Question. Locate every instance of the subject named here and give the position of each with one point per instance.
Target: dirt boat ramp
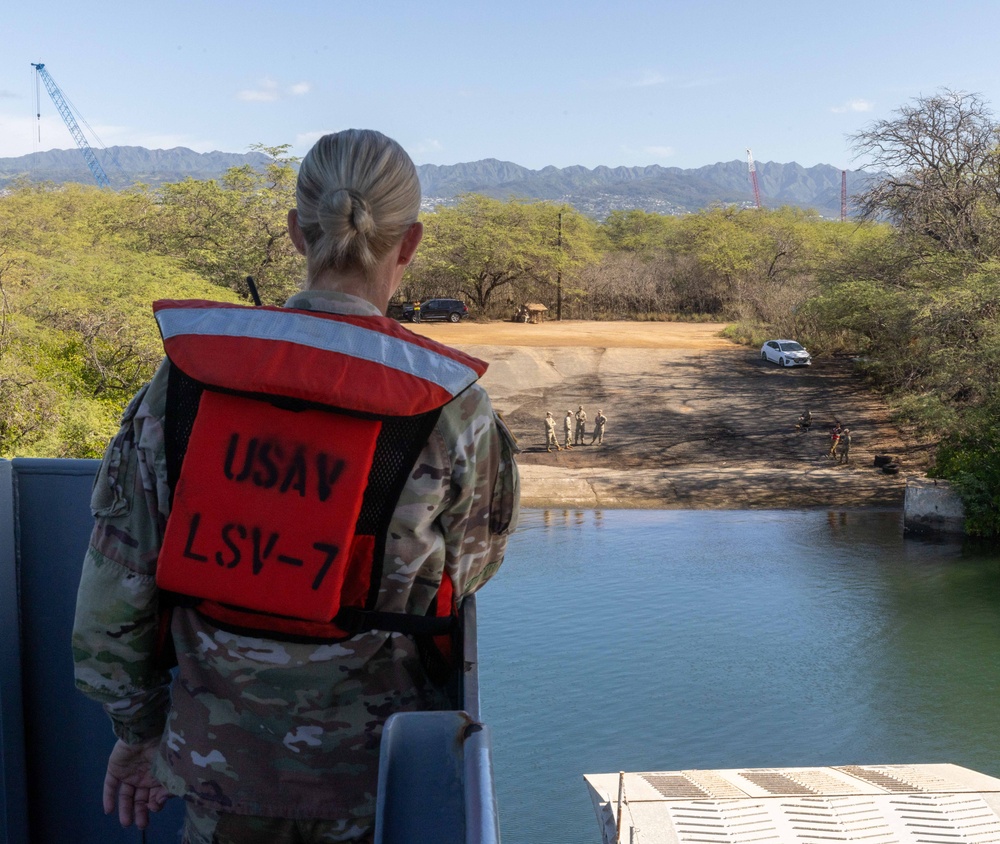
(694, 420)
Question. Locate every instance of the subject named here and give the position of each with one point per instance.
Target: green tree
(639, 232)
(481, 247)
(77, 335)
(230, 228)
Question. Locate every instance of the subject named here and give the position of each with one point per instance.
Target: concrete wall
(931, 506)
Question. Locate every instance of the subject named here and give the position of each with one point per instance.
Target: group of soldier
(840, 444)
(575, 428)
(840, 438)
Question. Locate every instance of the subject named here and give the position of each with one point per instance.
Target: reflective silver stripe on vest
(347, 339)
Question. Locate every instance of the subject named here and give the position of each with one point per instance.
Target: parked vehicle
(785, 353)
(450, 309)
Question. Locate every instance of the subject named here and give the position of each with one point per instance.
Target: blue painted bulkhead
(435, 779)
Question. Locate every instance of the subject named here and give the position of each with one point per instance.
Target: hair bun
(344, 207)
(361, 216)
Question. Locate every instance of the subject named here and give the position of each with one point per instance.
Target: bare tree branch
(939, 156)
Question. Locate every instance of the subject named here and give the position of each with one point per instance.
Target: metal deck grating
(777, 783)
(910, 777)
(715, 785)
(881, 777)
(876, 804)
(675, 786)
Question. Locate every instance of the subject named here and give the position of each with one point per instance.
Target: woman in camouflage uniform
(271, 740)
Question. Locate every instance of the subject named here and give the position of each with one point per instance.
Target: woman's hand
(130, 783)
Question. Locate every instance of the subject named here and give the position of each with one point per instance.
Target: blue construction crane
(74, 128)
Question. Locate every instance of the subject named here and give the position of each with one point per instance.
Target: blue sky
(680, 84)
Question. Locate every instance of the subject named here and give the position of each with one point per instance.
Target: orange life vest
(289, 437)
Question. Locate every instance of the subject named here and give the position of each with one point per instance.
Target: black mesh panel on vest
(183, 400)
(397, 448)
(396, 451)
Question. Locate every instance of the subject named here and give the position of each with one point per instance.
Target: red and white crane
(753, 179)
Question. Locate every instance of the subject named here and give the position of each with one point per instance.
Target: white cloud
(426, 147)
(639, 156)
(853, 105)
(305, 140)
(269, 91)
(128, 136)
(19, 135)
(259, 96)
(266, 92)
(702, 82)
(649, 79)
(654, 78)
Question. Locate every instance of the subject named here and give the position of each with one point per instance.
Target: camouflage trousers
(203, 826)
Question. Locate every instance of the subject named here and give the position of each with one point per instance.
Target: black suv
(449, 309)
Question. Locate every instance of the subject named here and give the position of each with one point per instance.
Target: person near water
(291, 514)
(599, 422)
(550, 433)
(581, 426)
(844, 446)
(834, 441)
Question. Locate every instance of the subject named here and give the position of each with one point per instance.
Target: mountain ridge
(595, 191)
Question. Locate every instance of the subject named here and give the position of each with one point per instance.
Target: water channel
(665, 640)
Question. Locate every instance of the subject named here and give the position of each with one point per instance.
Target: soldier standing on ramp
(581, 426)
(550, 433)
(844, 448)
(568, 429)
(834, 442)
(599, 422)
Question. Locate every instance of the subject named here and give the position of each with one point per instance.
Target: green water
(640, 641)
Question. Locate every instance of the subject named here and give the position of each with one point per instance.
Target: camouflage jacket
(262, 727)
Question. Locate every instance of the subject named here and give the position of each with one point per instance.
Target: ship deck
(875, 803)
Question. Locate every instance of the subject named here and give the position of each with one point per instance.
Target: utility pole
(843, 196)
(559, 275)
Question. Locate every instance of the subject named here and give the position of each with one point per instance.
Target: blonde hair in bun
(357, 194)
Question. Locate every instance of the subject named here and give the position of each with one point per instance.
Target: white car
(785, 353)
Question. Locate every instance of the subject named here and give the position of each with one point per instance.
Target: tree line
(908, 287)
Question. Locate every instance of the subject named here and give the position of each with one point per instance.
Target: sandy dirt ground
(694, 421)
